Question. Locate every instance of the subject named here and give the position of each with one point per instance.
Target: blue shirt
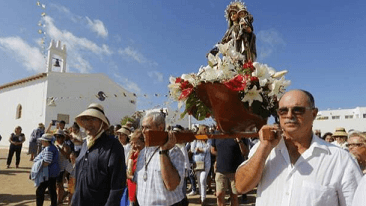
(50, 155)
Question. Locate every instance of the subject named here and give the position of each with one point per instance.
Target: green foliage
(196, 108)
(125, 119)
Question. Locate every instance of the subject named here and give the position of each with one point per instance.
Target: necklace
(147, 163)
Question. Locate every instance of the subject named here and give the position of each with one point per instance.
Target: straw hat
(340, 132)
(46, 137)
(59, 132)
(94, 110)
(125, 130)
(41, 125)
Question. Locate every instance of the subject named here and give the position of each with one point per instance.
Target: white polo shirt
(324, 175)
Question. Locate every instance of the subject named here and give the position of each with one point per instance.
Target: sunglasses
(355, 144)
(297, 110)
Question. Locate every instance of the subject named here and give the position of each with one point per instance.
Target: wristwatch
(164, 152)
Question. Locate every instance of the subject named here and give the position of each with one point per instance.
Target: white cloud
(157, 76)
(98, 27)
(66, 11)
(135, 55)
(30, 57)
(60, 8)
(270, 41)
(128, 85)
(75, 46)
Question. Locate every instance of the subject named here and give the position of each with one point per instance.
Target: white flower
(262, 72)
(172, 80)
(213, 61)
(191, 78)
(278, 87)
(223, 48)
(279, 74)
(174, 89)
(234, 55)
(226, 70)
(209, 74)
(252, 95)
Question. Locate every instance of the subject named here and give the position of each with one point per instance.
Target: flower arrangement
(258, 85)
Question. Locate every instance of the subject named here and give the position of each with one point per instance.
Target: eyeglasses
(355, 144)
(297, 110)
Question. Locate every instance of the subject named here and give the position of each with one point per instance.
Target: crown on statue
(235, 6)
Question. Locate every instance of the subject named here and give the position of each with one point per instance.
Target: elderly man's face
(295, 113)
(357, 147)
(91, 125)
(148, 124)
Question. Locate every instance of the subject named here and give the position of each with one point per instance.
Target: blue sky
(140, 43)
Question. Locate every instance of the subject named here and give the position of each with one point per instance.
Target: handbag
(199, 166)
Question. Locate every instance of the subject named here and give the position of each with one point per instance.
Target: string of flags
(103, 96)
(42, 28)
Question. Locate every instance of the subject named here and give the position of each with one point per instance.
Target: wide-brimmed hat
(59, 132)
(125, 130)
(94, 110)
(41, 125)
(340, 132)
(46, 137)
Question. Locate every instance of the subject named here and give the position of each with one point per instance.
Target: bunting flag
(41, 31)
(130, 98)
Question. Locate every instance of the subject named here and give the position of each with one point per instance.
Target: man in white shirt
(292, 166)
(159, 170)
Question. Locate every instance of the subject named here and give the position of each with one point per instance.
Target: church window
(18, 114)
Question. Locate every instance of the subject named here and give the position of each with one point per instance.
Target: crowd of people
(289, 163)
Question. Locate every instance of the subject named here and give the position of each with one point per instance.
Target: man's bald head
(309, 96)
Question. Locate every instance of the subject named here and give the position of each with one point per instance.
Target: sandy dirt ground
(17, 190)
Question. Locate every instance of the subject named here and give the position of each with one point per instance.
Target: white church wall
(30, 95)
(73, 93)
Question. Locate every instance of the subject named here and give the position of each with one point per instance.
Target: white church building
(58, 95)
(350, 119)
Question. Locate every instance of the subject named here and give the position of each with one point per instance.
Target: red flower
(178, 79)
(185, 93)
(185, 84)
(186, 88)
(237, 83)
(249, 65)
(254, 79)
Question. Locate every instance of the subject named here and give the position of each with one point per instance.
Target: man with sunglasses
(292, 166)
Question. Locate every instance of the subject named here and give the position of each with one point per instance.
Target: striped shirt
(50, 155)
(153, 191)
